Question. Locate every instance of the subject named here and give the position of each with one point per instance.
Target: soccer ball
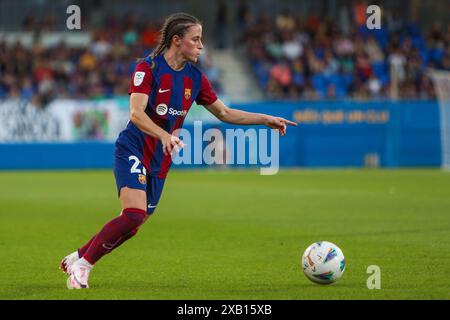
(323, 262)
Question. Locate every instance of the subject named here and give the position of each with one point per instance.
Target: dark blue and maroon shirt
(171, 94)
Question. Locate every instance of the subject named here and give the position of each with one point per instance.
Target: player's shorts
(130, 172)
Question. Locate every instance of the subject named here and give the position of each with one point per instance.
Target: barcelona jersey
(171, 94)
(139, 161)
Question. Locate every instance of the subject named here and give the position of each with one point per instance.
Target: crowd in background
(292, 57)
(102, 69)
(316, 58)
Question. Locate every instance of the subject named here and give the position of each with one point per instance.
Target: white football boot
(67, 261)
(79, 274)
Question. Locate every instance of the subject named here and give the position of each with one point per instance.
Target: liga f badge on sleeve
(138, 78)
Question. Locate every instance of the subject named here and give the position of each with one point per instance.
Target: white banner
(62, 120)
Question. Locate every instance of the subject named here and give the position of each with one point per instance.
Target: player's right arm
(140, 87)
(138, 103)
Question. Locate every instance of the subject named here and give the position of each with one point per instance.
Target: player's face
(191, 44)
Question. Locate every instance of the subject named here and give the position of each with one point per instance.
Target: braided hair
(175, 24)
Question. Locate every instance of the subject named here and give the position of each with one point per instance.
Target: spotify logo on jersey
(161, 109)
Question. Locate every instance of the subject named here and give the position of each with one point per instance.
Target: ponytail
(176, 24)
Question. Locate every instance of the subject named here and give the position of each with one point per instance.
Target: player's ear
(176, 40)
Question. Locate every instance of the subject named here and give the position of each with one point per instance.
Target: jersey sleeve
(207, 95)
(142, 79)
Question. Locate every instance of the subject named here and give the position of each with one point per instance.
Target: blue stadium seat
(320, 84)
(380, 69)
(3, 92)
(436, 55)
(262, 74)
(298, 79)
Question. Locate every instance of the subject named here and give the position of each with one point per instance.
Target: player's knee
(133, 198)
(135, 216)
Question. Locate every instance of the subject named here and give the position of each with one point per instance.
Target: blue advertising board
(329, 134)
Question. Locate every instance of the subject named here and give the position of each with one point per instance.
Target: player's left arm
(235, 116)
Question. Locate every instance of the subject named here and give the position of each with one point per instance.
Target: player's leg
(128, 199)
(131, 184)
(121, 228)
(113, 233)
(133, 198)
(68, 260)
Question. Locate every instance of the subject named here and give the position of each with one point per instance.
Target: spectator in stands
(374, 86)
(292, 49)
(359, 64)
(280, 79)
(100, 69)
(397, 62)
(374, 51)
(285, 21)
(312, 52)
(298, 77)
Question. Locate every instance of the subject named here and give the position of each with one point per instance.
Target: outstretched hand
(279, 123)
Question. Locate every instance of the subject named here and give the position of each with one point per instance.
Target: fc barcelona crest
(142, 179)
(187, 93)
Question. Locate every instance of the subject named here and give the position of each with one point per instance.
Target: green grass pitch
(231, 234)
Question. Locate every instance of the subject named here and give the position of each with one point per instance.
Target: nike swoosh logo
(151, 207)
(162, 91)
(79, 282)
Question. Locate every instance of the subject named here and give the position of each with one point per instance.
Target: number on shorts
(134, 167)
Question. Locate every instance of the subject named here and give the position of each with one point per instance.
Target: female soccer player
(163, 88)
